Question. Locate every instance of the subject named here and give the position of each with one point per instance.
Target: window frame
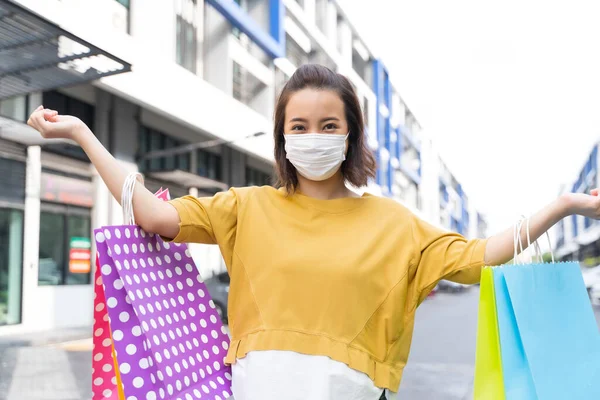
(66, 212)
(186, 52)
(22, 238)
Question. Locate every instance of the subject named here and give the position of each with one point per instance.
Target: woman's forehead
(314, 103)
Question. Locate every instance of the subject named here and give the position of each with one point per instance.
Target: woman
(324, 282)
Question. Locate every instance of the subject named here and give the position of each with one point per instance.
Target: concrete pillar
(218, 68)
(310, 8)
(226, 164)
(123, 127)
(238, 165)
(331, 23)
(102, 116)
(264, 101)
(31, 235)
(344, 37)
(102, 197)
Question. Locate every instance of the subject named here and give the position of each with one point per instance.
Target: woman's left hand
(500, 247)
(587, 205)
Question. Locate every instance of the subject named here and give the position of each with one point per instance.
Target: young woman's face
(315, 111)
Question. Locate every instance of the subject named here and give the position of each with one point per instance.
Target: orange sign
(79, 267)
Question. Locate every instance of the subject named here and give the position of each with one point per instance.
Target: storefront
(46, 190)
(65, 230)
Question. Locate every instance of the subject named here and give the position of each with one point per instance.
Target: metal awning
(189, 180)
(36, 54)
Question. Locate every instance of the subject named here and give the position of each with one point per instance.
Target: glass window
(214, 166)
(52, 248)
(294, 52)
(11, 265)
(79, 241)
(209, 165)
(247, 88)
(169, 163)
(235, 30)
(183, 162)
(178, 41)
(156, 143)
(14, 108)
(237, 88)
(255, 177)
(12, 178)
(152, 140)
(202, 163)
(143, 148)
(280, 81)
(186, 44)
(69, 106)
(64, 250)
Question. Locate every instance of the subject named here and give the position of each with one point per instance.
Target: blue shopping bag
(557, 328)
(518, 382)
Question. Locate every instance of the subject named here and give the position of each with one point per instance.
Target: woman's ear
(347, 146)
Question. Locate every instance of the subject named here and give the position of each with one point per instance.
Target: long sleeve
(444, 255)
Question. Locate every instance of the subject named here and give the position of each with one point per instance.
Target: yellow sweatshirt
(340, 278)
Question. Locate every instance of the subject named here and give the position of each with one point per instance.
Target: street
(440, 366)
(442, 357)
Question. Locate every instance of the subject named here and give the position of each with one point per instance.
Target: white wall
(153, 25)
(31, 235)
(218, 68)
(62, 306)
(430, 181)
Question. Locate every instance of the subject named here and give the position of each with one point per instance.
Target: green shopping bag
(489, 383)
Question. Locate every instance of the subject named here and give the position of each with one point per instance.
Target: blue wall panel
(276, 26)
(387, 96)
(272, 42)
(378, 89)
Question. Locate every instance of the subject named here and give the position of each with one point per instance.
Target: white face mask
(316, 156)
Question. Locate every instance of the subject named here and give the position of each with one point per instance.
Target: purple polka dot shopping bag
(168, 338)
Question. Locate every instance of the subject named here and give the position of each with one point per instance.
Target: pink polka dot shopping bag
(160, 336)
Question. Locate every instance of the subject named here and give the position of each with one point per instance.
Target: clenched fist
(51, 125)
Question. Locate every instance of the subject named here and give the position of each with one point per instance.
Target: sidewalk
(57, 365)
(46, 365)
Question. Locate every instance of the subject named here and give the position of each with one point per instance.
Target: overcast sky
(510, 90)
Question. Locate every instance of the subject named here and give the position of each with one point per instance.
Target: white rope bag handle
(127, 196)
(538, 249)
(517, 241)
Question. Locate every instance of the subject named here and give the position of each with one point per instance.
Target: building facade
(153, 75)
(578, 237)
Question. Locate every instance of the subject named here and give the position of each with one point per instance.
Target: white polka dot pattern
(104, 380)
(172, 343)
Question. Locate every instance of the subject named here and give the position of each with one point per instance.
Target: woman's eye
(297, 128)
(330, 127)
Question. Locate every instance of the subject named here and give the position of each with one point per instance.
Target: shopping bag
(558, 329)
(167, 334)
(518, 382)
(105, 380)
(488, 384)
(548, 339)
